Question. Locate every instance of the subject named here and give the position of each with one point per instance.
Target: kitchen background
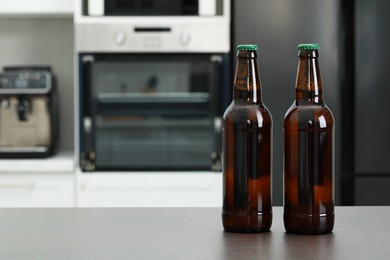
(353, 36)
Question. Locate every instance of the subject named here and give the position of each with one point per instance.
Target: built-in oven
(152, 83)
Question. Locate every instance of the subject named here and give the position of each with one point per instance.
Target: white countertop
(63, 161)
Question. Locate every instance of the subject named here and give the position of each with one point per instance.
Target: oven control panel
(150, 41)
(140, 26)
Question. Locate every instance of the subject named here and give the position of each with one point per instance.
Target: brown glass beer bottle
(247, 144)
(308, 152)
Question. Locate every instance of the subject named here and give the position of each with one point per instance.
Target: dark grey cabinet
(372, 92)
(354, 36)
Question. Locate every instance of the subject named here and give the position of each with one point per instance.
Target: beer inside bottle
(247, 144)
(308, 152)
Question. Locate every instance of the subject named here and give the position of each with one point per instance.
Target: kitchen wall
(43, 41)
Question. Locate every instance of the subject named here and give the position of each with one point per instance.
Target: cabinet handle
(17, 185)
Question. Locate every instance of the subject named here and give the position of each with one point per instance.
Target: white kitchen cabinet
(36, 190)
(149, 189)
(36, 7)
(54, 182)
(38, 182)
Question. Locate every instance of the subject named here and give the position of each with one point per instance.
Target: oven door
(151, 112)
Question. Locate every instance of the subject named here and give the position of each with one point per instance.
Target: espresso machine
(28, 112)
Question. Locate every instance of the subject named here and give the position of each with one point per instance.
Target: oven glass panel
(153, 112)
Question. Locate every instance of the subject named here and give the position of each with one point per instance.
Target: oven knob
(185, 38)
(120, 38)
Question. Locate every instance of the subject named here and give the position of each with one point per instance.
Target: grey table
(183, 233)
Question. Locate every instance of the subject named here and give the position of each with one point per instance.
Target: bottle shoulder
(309, 116)
(239, 112)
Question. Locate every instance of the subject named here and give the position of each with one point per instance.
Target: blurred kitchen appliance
(153, 8)
(28, 112)
(153, 79)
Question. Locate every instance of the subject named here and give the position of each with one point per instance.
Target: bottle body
(247, 150)
(247, 144)
(308, 169)
(308, 152)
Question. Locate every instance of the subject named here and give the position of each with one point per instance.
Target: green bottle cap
(308, 47)
(247, 47)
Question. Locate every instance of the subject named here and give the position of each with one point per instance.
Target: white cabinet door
(36, 7)
(45, 182)
(149, 189)
(37, 190)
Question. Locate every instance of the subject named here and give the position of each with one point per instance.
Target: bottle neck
(308, 86)
(247, 85)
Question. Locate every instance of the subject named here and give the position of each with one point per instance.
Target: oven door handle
(217, 88)
(145, 98)
(87, 154)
